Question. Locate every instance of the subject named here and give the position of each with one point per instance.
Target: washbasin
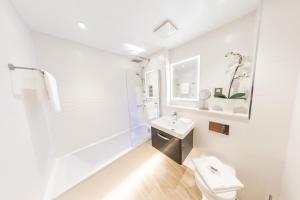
(176, 127)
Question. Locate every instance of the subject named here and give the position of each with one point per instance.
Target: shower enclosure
(143, 107)
(136, 102)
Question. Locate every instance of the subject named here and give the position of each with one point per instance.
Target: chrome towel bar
(13, 67)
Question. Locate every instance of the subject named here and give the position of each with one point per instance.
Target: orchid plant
(237, 74)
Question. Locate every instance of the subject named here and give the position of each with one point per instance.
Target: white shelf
(222, 114)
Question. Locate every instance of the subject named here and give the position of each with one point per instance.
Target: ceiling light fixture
(81, 25)
(133, 49)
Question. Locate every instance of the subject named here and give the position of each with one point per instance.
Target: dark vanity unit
(175, 148)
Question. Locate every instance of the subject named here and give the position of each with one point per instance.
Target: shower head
(136, 60)
(139, 59)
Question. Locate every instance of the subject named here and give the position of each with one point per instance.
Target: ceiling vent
(139, 59)
(166, 29)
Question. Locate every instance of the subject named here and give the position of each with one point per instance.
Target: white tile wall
(92, 87)
(24, 144)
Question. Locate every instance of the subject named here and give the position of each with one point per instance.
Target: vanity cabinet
(173, 147)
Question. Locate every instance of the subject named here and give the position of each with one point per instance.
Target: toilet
(207, 192)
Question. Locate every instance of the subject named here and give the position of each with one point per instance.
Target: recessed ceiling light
(81, 25)
(133, 49)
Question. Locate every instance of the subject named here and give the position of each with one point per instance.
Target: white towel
(217, 176)
(151, 111)
(52, 90)
(184, 88)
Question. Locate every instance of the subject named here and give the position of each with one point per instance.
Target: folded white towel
(151, 111)
(52, 90)
(217, 176)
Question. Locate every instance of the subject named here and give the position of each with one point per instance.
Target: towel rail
(13, 67)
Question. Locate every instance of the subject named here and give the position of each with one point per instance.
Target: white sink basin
(178, 128)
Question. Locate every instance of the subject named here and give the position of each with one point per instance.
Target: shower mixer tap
(175, 116)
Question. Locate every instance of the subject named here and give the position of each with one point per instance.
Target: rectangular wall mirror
(185, 79)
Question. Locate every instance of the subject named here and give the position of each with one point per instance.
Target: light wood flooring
(142, 174)
(158, 179)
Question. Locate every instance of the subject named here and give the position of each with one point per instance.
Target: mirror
(226, 69)
(185, 76)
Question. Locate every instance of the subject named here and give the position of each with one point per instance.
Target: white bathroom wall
(291, 175)
(24, 146)
(279, 55)
(256, 148)
(92, 87)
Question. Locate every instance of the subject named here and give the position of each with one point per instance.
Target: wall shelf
(237, 116)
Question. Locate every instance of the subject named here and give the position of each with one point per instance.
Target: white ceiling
(112, 23)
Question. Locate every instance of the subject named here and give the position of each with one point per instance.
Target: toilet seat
(213, 196)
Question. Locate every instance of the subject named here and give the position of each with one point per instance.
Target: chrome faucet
(175, 116)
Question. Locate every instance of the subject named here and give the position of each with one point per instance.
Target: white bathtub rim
(103, 140)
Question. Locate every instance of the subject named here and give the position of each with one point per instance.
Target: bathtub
(73, 168)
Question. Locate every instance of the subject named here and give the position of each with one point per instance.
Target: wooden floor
(158, 179)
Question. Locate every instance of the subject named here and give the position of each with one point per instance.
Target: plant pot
(230, 104)
(226, 105)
